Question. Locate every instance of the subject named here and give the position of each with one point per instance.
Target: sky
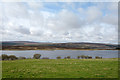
(95, 22)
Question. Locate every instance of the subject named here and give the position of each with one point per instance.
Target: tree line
(37, 56)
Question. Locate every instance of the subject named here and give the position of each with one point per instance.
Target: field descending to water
(60, 68)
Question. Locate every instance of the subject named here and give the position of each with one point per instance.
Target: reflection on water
(63, 53)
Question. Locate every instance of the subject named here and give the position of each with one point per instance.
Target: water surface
(63, 53)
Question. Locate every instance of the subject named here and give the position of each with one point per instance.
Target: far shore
(59, 49)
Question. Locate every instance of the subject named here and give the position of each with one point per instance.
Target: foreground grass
(60, 68)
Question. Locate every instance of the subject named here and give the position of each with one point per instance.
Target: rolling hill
(28, 45)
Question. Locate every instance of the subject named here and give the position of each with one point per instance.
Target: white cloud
(28, 21)
(64, 21)
(1, 15)
(35, 5)
(17, 10)
(93, 13)
(113, 6)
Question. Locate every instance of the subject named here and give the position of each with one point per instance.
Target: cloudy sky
(59, 21)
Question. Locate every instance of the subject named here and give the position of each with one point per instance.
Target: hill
(28, 45)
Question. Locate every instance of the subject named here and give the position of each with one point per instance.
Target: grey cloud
(36, 31)
(110, 19)
(23, 30)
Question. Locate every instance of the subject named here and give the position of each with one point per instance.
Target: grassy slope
(62, 68)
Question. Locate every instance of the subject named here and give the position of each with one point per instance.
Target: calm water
(63, 53)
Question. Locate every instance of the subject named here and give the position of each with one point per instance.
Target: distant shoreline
(58, 49)
(24, 45)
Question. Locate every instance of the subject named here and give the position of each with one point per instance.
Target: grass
(60, 68)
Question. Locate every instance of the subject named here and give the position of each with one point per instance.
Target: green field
(60, 68)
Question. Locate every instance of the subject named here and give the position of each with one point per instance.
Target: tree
(58, 57)
(78, 57)
(82, 56)
(37, 56)
(5, 57)
(89, 57)
(97, 57)
(86, 57)
(12, 57)
(68, 57)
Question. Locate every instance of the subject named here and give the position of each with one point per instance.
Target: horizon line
(58, 42)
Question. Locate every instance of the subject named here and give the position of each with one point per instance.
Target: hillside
(27, 45)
